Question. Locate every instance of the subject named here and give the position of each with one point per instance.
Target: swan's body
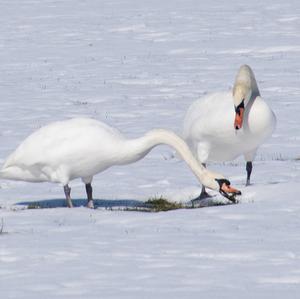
(216, 132)
(81, 148)
(212, 136)
(63, 151)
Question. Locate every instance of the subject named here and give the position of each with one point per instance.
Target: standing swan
(82, 147)
(223, 126)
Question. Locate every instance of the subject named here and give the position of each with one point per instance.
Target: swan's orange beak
(238, 121)
(228, 189)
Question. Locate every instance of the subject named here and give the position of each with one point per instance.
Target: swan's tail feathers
(2, 174)
(19, 174)
(9, 173)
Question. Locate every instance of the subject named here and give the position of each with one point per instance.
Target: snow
(138, 65)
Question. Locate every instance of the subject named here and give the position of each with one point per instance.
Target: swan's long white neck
(135, 149)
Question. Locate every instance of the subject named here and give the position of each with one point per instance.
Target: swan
(222, 126)
(81, 147)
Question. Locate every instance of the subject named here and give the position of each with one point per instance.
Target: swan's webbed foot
(203, 195)
(90, 204)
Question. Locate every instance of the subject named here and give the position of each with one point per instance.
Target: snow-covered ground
(138, 65)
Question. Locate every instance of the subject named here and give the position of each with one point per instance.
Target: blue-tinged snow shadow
(98, 203)
(116, 204)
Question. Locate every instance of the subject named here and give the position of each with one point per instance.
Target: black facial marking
(238, 108)
(222, 181)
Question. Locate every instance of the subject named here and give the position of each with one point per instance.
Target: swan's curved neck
(135, 149)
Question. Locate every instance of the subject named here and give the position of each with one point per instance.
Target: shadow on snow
(99, 203)
(116, 204)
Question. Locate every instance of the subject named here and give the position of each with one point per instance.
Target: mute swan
(82, 147)
(223, 126)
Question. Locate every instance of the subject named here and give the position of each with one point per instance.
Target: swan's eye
(238, 108)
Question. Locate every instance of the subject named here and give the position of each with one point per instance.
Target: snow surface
(138, 65)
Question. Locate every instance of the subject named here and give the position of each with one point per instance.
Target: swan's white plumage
(63, 151)
(209, 130)
(81, 148)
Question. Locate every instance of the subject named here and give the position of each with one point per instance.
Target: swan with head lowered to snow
(223, 126)
(82, 147)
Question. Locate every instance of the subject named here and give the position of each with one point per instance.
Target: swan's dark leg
(203, 193)
(249, 170)
(67, 190)
(89, 192)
